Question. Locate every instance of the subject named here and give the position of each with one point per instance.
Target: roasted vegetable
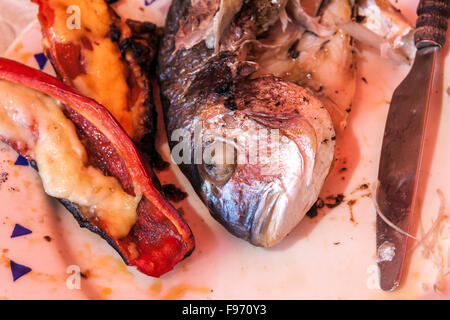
(106, 59)
(87, 161)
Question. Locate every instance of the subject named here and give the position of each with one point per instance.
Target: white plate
(329, 256)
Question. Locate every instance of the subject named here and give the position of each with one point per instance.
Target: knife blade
(403, 141)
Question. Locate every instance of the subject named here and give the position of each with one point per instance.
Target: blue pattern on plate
(41, 60)
(18, 270)
(20, 231)
(148, 2)
(21, 161)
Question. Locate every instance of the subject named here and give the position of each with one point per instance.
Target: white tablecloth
(15, 15)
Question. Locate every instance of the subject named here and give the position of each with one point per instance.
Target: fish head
(260, 164)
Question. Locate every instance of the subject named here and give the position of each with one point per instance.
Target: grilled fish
(208, 95)
(253, 93)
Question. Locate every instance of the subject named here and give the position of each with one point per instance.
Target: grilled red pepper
(160, 238)
(107, 59)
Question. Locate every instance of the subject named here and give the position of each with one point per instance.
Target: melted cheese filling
(105, 79)
(37, 122)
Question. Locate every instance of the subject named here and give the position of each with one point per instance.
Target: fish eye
(219, 162)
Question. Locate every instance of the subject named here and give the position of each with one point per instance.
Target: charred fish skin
(202, 84)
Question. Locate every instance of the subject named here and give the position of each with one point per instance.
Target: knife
(403, 141)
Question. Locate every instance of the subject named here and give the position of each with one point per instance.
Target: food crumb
(317, 205)
(337, 243)
(364, 80)
(322, 46)
(293, 51)
(350, 204)
(173, 193)
(48, 238)
(364, 186)
(360, 19)
(337, 200)
(3, 177)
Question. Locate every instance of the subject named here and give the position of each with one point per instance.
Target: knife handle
(432, 24)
